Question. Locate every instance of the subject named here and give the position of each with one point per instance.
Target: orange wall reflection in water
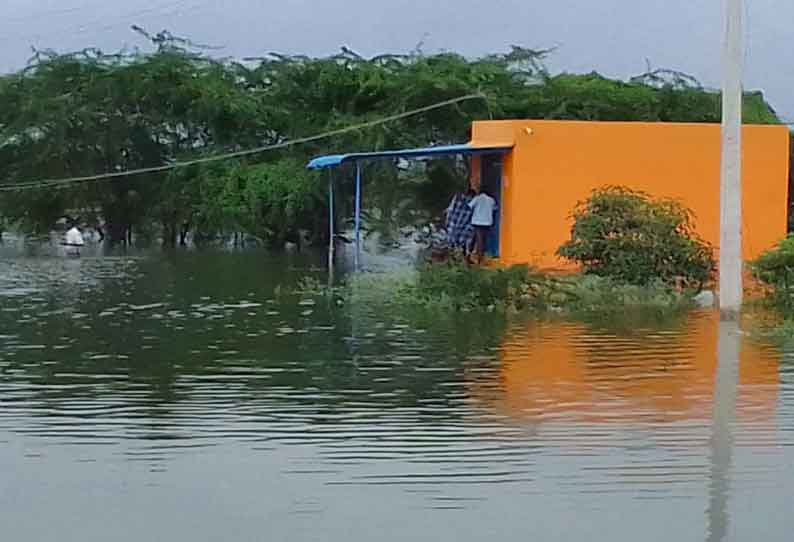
(558, 371)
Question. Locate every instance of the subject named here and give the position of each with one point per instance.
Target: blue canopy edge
(334, 160)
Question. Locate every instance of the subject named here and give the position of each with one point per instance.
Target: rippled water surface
(196, 397)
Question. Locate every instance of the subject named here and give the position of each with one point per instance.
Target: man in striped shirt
(459, 229)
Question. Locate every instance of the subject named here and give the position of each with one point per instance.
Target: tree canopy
(83, 113)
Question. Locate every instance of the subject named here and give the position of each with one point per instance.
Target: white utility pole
(731, 290)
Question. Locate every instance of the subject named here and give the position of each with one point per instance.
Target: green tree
(88, 112)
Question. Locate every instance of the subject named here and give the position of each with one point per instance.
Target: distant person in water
(483, 207)
(74, 240)
(458, 213)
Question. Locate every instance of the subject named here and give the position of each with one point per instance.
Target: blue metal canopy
(333, 160)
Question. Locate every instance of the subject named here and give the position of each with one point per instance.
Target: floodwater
(194, 397)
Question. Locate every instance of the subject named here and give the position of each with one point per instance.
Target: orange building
(552, 165)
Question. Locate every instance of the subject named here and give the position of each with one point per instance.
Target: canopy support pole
(331, 227)
(358, 216)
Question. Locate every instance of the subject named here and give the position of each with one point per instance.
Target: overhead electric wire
(50, 183)
(162, 10)
(44, 14)
(107, 21)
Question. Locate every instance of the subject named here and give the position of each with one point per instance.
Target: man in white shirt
(483, 207)
(74, 240)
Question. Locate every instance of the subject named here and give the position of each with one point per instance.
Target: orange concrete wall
(555, 164)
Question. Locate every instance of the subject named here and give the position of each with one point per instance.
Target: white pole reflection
(722, 427)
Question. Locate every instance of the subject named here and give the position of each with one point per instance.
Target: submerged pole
(358, 216)
(731, 289)
(331, 226)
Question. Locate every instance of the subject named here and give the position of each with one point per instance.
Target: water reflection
(725, 394)
(553, 371)
(203, 374)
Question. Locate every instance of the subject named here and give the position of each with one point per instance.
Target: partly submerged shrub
(635, 239)
(455, 287)
(471, 287)
(775, 267)
(602, 296)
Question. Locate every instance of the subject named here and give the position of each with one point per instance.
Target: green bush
(472, 287)
(452, 288)
(459, 286)
(775, 267)
(635, 239)
(604, 297)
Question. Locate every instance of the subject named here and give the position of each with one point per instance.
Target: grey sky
(613, 37)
